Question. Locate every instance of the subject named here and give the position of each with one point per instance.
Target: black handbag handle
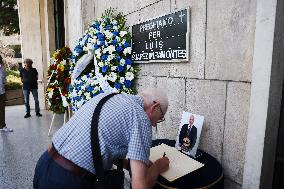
(96, 151)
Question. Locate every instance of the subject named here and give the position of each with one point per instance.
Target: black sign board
(162, 39)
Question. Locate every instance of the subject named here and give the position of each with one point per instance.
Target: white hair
(151, 95)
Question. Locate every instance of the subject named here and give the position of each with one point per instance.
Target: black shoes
(27, 115)
(38, 114)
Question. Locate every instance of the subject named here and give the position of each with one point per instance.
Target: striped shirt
(124, 132)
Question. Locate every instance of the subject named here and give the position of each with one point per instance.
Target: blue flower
(115, 33)
(128, 61)
(101, 37)
(79, 49)
(127, 83)
(118, 58)
(104, 69)
(126, 44)
(96, 25)
(114, 42)
(117, 85)
(104, 57)
(90, 88)
(108, 27)
(118, 49)
(96, 46)
(120, 68)
(102, 43)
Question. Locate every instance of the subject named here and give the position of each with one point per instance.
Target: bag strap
(96, 151)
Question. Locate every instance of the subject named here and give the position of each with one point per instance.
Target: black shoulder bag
(105, 179)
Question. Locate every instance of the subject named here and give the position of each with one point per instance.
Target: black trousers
(50, 175)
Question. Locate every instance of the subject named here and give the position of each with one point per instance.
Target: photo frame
(189, 133)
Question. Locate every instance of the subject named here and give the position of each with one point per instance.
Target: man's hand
(162, 164)
(144, 177)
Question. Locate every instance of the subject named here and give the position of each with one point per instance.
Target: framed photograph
(189, 133)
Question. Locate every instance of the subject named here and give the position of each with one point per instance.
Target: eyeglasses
(162, 118)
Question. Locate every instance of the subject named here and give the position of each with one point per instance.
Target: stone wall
(215, 82)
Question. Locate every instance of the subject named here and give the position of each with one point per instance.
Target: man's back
(124, 131)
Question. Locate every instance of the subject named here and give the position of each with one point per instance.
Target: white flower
(115, 28)
(128, 67)
(127, 50)
(129, 76)
(98, 53)
(64, 101)
(84, 78)
(122, 62)
(117, 38)
(113, 68)
(80, 103)
(100, 64)
(90, 46)
(85, 48)
(63, 62)
(111, 49)
(122, 33)
(121, 79)
(113, 76)
(110, 57)
(108, 34)
(114, 22)
(52, 61)
(50, 94)
(87, 95)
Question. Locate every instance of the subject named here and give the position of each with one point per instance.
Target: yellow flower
(49, 89)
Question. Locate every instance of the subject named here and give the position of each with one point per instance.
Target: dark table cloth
(208, 176)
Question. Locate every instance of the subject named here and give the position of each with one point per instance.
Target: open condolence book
(180, 164)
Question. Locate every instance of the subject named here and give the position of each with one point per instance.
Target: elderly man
(3, 126)
(29, 76)
(124, 129)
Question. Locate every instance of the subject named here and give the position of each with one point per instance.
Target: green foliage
(12, 72)
(13, 83)
(9, 19)
(17, 49)
(13, 80)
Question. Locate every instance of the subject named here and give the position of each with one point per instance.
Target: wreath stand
(67, 113)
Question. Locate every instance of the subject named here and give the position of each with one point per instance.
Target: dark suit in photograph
(187, 137)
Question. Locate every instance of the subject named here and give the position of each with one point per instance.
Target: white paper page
(180, 164)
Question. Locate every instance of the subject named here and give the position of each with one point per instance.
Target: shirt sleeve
(140, 141)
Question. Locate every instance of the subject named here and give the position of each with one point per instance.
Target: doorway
(59, 23)
(278, 181)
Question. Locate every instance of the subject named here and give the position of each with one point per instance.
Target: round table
(208, 176)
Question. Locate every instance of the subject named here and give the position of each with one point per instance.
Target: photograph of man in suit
(188, 135)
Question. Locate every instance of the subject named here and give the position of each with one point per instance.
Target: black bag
(112, 179)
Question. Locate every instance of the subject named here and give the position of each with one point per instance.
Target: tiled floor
(20, 150)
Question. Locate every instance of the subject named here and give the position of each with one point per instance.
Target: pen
(164, 154)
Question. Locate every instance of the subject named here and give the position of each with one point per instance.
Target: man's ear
(154, 106)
